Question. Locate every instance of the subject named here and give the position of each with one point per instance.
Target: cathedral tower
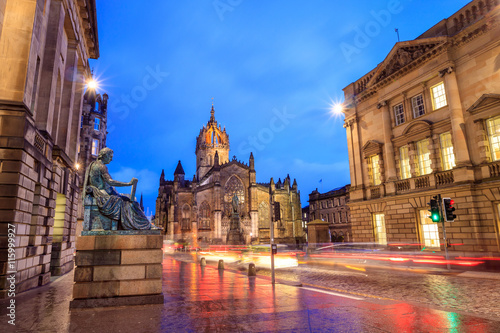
(211, 140)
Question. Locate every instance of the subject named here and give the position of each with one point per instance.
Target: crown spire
(212, 117)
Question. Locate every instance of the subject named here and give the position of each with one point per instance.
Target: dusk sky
(274, 68)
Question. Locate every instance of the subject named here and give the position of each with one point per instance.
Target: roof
(179, 170)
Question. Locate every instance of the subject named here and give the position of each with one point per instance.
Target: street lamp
(92, 84)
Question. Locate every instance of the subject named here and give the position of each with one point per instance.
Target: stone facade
(44, 52)
(422, 123)
(199, 210)
(332, 207)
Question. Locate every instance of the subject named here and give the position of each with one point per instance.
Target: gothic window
(204, 215)
(186, 218)
(233, 185)
(264, 215)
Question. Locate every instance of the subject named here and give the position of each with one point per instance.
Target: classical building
(199, 210)
(44, 52)
(93, 132)
(426, 121)
(332, 207)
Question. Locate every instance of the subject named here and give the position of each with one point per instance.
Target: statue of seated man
(104, 207)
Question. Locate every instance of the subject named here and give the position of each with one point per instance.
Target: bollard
(221, 264)
(203, 262)
(251, 270)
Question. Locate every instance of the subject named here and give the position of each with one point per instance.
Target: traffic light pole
(271, 213)
(444, 231)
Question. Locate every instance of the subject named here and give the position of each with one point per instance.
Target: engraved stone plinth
(235, 235)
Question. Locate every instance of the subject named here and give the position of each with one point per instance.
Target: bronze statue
(236, 203)
(107, 208)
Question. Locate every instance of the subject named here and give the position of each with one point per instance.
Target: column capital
(447, 70)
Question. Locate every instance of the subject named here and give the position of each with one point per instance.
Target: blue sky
(273, 68)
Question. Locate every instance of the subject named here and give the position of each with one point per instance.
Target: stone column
(482, 141)
(457, 118)
(356, 146)
(350, 150)
(434, 148)
(389, 162)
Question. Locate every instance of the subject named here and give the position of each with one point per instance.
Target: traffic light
(435, 214)
(277, 211)
(449, 216)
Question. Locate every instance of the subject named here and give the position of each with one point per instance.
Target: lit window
(438, 96)
(417, 105)
(430, 231)
(374, 170)
(404, 160)
(379, 228)
(97, 124)
(399, 114)
(494, 137)
(447, 155)
(81, 123)
(423, 157)
(95, 147)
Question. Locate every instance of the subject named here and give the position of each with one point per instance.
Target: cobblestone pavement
(205, 299)
(448, 292)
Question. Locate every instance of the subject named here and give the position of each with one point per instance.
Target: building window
(374, 170)
(417, 105)
(97, 124)
(81, 123)
(493, 125)
(379, 229)
(399, 114)
(438, 96)
(404, 162)
(430, 231)
(423, 158)
(95, 147)
(447, 155)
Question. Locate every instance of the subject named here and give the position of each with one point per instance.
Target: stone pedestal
(318, 232)
(234, 235)
(116, 268)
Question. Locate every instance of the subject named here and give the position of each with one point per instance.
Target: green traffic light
(435, 217)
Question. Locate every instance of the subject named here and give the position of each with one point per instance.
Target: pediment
(404, 54)
(416, 127)
(485, 102)
(372, 147)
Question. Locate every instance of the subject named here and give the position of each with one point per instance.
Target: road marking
(349, 292)
(332, 293)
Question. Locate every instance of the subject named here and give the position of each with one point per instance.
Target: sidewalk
(208, 300)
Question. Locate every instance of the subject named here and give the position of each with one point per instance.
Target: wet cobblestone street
(447, 292)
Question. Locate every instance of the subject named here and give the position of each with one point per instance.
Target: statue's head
(105, 155)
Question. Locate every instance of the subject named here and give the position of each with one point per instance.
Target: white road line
(332, 293)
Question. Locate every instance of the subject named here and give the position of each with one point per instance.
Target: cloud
(148, 180)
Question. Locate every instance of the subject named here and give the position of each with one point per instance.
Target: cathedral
(198, 211)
